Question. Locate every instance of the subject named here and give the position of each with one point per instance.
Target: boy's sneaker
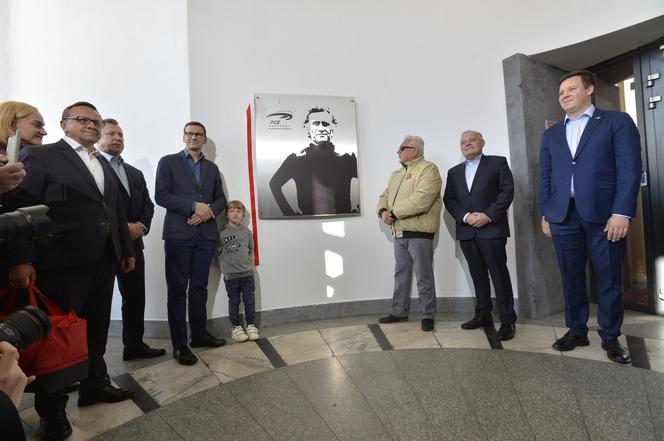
(252, 332)
(238, 334)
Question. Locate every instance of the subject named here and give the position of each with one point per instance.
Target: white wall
(127, 57)
(421, 67)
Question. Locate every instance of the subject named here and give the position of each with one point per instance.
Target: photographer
(12, 384)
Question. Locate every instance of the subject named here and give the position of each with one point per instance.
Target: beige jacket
(413, 196)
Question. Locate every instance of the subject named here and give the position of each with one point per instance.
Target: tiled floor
(352, 379)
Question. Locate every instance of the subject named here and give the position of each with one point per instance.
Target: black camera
(29, 223)
(24, 327)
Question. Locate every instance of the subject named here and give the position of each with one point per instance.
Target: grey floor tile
(212, 415)
(482, 375)
(389, 394)
(151, 427)
(613, 400)
(437, 387)
(280, 407)
(546, 395)
(337, 400)
(654, 382)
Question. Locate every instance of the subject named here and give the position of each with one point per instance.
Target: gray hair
(417, 142)
(472, 131)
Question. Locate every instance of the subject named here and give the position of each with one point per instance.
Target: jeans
(243, 286)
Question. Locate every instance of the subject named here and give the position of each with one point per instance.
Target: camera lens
(25, 327)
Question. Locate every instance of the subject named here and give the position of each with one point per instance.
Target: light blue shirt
(471, 170)
(573, 130)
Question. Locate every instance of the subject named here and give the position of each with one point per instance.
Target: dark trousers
(241, 287)
(132, 289)
(574, 238)
(187, 266)
(88, 291)
(487, 257)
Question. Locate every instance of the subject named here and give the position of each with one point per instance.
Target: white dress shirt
(90, 160)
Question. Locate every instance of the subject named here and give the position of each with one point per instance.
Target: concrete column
(531, 90)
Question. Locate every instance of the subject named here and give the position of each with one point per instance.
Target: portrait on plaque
(306, 156)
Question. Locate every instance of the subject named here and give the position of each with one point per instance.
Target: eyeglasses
(194, 134)
(320, 123)
(85, 121)
(404, 147)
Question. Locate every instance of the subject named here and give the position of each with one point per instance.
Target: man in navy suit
(477, 194)
(75, 265)
(189, 187)
(139, 209)
(590, 171)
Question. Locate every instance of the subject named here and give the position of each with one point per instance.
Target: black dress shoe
(478, 322)
(207, 340)
(569, 341)
(616, 352)
(427, 324)
(104, 394)
(184, 356)
(506, 332)
(54, 428)
(143, 351)
(392, 319)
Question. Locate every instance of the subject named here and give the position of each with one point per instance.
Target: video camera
(29, 223)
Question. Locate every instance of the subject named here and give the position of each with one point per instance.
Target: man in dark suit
(139, 209)
(477, 194)
(189, 187)
(590, 172)
(75, 265)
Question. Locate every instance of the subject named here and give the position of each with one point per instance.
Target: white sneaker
(238, 334)
(252, 331)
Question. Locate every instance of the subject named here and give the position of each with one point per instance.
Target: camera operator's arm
(10, 176)
(12, 384)
(12, 378)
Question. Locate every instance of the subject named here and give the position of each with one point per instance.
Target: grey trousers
(413, 254)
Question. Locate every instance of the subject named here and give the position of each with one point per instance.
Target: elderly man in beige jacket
(411, 206)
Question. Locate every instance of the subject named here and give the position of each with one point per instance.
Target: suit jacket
(84, 219)
(137, 204)
(606, 169)
(491, 192)
(176, 190)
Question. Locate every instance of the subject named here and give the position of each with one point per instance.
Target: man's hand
(546, 228)
(135, 230)
(127, 264)
(204, 211)
(22, 275)
(10, 176)
(616, 228)
(12, 379)
(387, 218)
(477, 219)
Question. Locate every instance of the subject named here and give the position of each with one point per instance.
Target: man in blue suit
(189, 187)
(590, 171)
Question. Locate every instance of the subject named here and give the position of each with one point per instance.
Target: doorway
(629, 83)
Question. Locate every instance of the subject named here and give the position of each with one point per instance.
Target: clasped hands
(477, 219)
(387, 218)
(203, 213)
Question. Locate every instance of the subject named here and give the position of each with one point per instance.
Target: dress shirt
(471, 169)
(573, 130)
(90, 160)
(195, 167)
(117, 164)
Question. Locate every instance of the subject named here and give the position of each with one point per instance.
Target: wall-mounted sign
(306, 156)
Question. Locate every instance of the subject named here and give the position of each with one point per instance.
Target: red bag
(67, 344)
